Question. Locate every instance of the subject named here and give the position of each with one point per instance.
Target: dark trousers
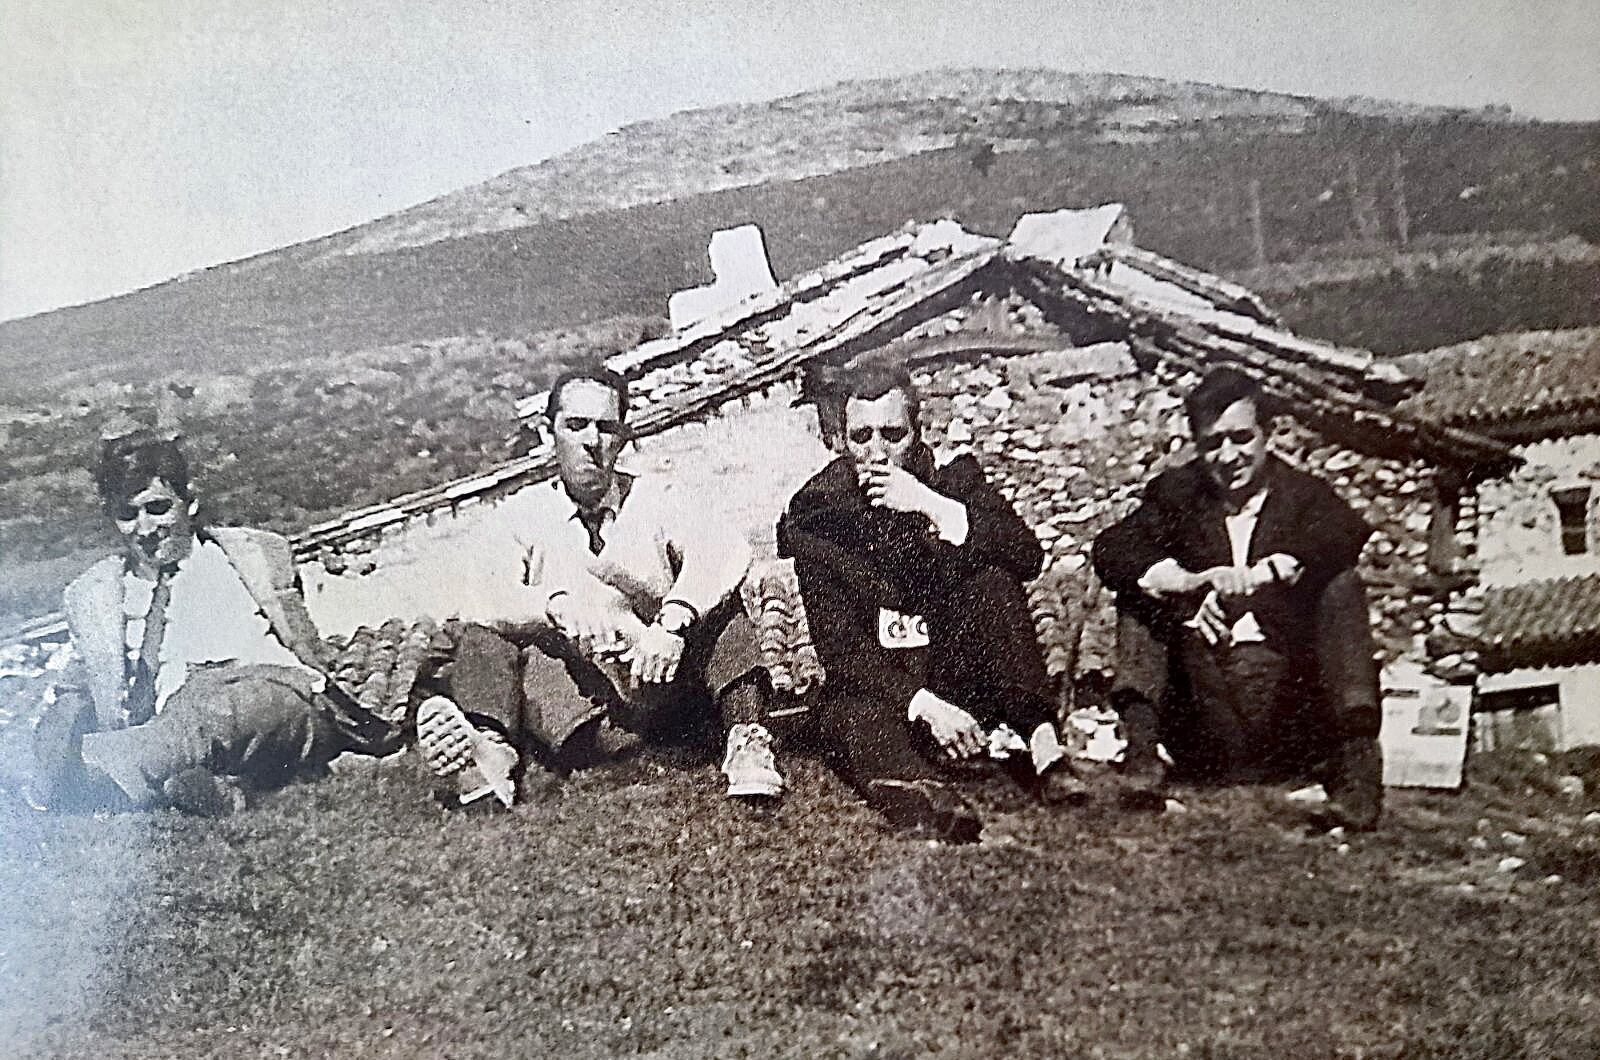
(982, 655)
(538, 688)
(1250, 711)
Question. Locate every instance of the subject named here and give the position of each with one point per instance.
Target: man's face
(588, 435)
(156, 525)
(879, 431)
(1234, 448)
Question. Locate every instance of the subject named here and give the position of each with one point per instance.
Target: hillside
(327, 378)
(845, 126)
(1325, 177)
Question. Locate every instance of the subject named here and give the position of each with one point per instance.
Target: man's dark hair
(1220, 388)
(128, 463)
(833, 388)
(591, 374)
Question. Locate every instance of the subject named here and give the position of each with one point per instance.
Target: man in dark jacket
(912, 578)
(1245, 645)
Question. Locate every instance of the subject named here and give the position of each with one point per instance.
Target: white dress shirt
(660, 544)
(211, 617)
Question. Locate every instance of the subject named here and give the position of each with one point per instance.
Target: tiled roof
(1551, 622)
(1525, 385)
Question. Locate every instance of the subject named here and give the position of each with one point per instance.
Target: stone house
(1537, 538)
(1059, 355)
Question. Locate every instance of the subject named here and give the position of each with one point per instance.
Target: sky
(140, 139)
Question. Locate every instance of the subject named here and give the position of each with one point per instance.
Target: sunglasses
(863, 435)
(1241, 437)
(127, 513)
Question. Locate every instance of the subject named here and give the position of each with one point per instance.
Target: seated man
(635, 617)
(1244, 642)
(200, 674)
(912, 578)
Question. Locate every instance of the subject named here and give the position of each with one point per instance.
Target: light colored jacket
(265, 562)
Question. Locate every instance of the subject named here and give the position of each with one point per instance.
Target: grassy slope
(638, 913)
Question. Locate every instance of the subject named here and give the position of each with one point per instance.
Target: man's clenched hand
(954, 730)
(1236, 583)
(654, 657)
(596, 628)
(897, 489)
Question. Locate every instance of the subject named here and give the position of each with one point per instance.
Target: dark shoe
(200, 793)
(1058, 785)
(924, 808)
(1142, 784)
(597, 742)
(1355, 785)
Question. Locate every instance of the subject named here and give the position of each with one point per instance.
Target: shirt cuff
(1165, 566)
(951, 524)
(921, 701)
(1283, 567)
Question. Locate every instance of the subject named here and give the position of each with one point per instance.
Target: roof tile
(1550, 622)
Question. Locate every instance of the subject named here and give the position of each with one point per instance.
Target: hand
(895, 488)
(954, 730)
(1210, 621)
(654, 657)
(596, 629)
(1236, 583)
(1170, 578)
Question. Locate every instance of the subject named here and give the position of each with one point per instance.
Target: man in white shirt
(1245, 644)
(634, 624)
(200, 674)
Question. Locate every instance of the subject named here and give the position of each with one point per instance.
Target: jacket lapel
(93, 603)
(1277, 512)
(265, 563)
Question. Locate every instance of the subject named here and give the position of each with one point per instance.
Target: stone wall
(1072, 435)
(1520, 526)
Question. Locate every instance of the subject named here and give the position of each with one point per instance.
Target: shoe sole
(432, 736)
(754, 789)
(914, 813)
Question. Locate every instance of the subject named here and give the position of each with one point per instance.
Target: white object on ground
(749, 764)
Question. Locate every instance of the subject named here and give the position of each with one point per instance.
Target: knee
(1343, 599)
(990, 588)
(1345, 586)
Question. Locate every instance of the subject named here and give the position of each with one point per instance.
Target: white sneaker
(480, 760)
(749, 764)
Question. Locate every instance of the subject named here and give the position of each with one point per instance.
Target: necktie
(142, 690)
(593, 521)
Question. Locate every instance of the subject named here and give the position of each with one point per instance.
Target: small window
(1527, 719)
(1573, 507)
(1444, 551)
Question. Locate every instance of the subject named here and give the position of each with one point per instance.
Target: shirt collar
(1251, 508)
(194, 550)
(609, 505)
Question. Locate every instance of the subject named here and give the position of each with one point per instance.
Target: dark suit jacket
(852, 558)
(1181, 517)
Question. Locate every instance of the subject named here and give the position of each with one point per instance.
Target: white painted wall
(1580, 697)
(742, 466)
(1519, 530)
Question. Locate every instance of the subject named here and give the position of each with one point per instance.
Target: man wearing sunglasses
(634, 623)
(199, 675)
(1244, 641)
(912, 578)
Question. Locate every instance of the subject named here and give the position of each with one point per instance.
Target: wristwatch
(675, 617)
